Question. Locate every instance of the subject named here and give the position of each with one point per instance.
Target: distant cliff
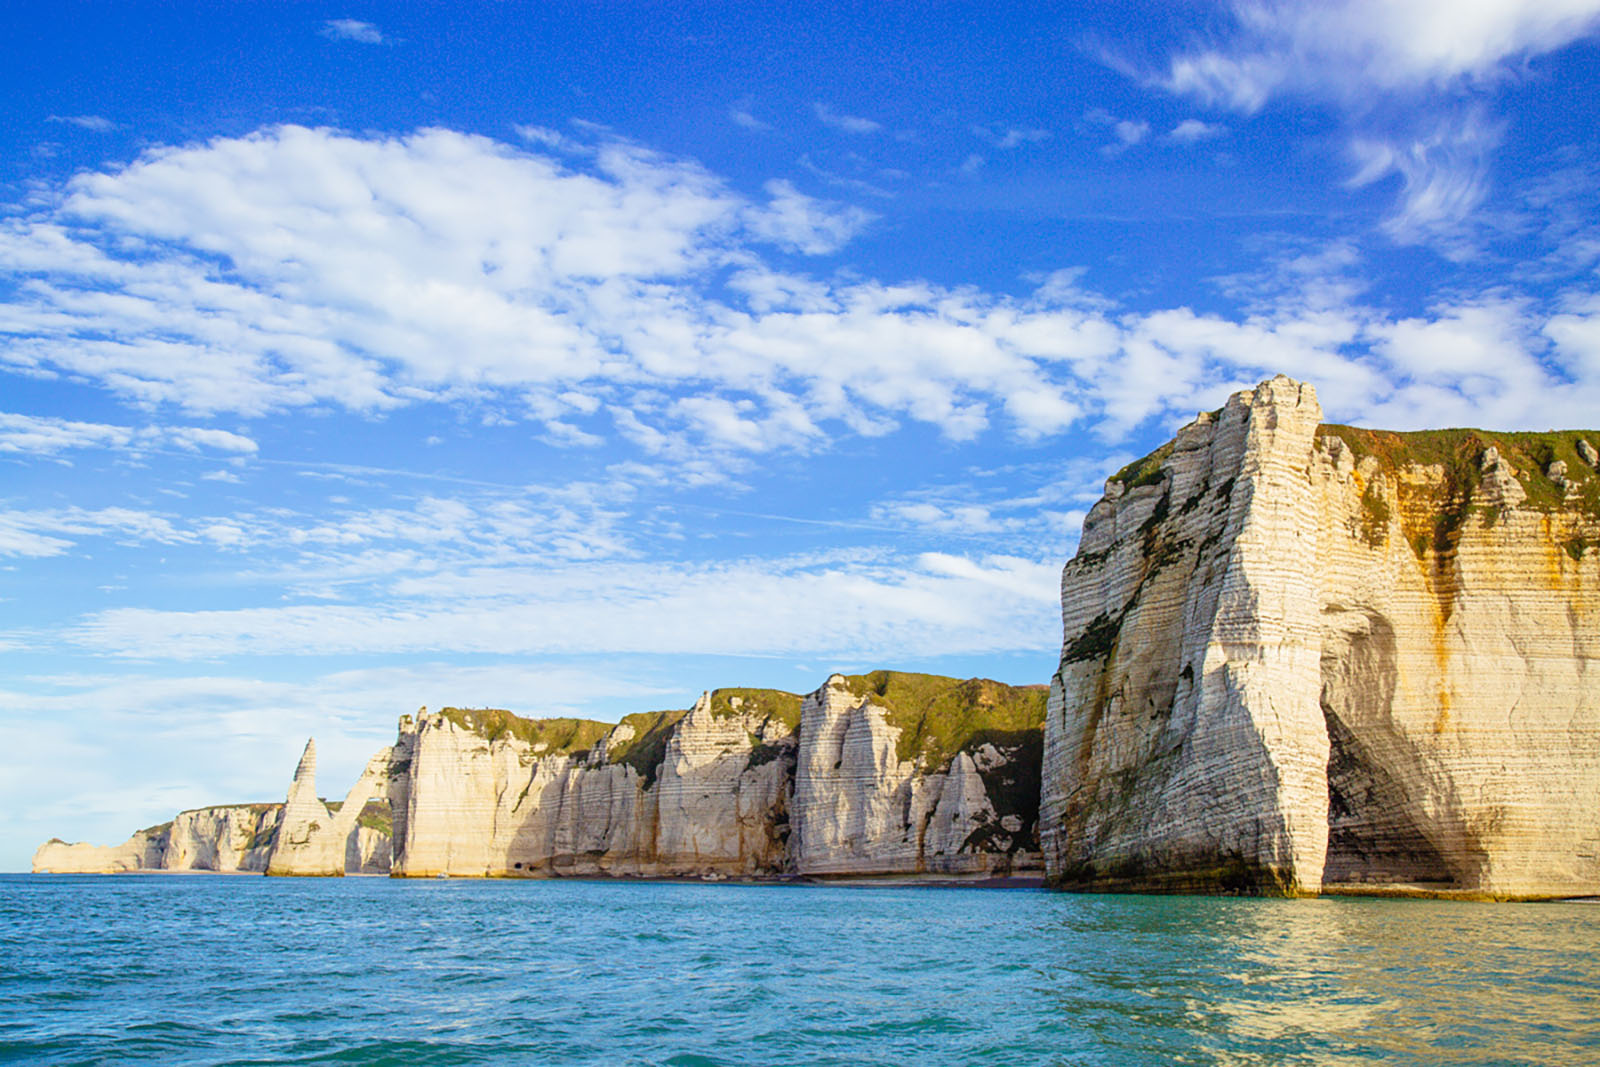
(881, 774)
(227, 837)
(1304, 658)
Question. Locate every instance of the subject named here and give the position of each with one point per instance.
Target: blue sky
(573, 358)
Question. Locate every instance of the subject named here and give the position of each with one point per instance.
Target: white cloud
(795, 221)
(848, 123)
(43, 533)
(1350, 49)
(352, 30)
(1444, 174)
(1192, 131)
(1403, 73)
(47, 435)
(93, 123)
(1130, 132)
(1011, 136)
(296, 268)
(742, 114)
(878, 607)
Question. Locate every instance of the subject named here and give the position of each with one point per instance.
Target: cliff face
(235, 837)
(747, 783)
(882, 774)
(1301, 658)
(315, 840)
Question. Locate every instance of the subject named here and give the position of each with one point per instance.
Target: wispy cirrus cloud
(839, 121)
(851, 606)
(1008, 137)
(49, 435)
(92, 123)
(1410, 78)
(353, 30)
(743, 114)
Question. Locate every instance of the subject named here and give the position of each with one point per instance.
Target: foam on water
(211, 970)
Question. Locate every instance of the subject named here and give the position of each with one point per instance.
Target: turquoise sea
(195, 969)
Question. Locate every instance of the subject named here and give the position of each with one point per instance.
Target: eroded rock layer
(1301, 658)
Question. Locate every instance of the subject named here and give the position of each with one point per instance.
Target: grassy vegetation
(939, 717)
(1460, 453)
(564, 736)
(261, 837)
(1144, 471)
(377, 815)
(1431, 518)
(648, 746)
(1375, 515)
(765, 703)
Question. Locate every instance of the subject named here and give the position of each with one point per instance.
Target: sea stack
(1304, 658)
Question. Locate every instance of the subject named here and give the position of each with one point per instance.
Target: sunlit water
(213, 970)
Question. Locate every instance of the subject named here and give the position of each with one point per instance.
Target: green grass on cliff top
(939, 717)
(763, 703)
(1459, 452)
(564, 736)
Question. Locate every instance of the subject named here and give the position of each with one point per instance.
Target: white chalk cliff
(313, 840)
(228, 837)
(1304, 658)
(747, 783)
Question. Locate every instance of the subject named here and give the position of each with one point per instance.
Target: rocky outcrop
(313, 840)
(232, 838)
(1304, 658)
(879, 775)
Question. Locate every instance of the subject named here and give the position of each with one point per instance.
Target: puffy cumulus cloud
(1192, 131)
(627, 295)
(803, 224)
(847, 606)
(296, 267)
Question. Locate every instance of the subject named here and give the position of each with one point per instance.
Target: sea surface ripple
(196, 969)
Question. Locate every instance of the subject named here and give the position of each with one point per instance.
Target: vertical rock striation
(1301, 657)
(747, 783)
